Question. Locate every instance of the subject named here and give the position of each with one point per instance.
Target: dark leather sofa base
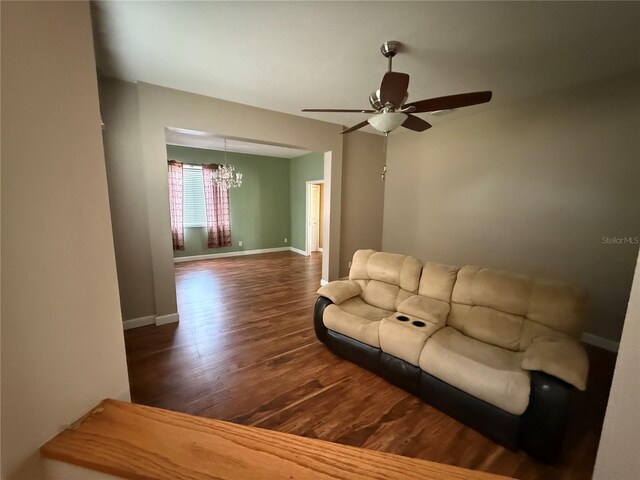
(543, 426)
(539, 431)
(353, 350)
(400, 373)
(500, 426)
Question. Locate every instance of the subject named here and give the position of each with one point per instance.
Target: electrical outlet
(285, 240)
(240, 243)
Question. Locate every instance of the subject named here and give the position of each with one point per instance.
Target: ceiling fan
(388, 102)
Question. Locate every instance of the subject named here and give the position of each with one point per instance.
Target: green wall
(304, 168)
(260, 208)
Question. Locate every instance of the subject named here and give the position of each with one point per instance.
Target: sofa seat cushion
(356, 319)
(357, 306)
(403, 336)
(487, 372)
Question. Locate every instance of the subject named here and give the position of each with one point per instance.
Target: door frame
(307, 242)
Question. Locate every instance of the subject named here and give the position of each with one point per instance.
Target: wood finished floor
(245, 351)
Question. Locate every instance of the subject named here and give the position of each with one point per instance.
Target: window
(195, 214)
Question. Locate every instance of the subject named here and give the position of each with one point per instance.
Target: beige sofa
(473, 338)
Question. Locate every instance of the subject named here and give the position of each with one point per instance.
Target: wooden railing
(138, 442)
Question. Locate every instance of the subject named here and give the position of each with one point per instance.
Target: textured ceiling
(290, 55)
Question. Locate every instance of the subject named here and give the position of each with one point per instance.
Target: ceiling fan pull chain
(384, 151)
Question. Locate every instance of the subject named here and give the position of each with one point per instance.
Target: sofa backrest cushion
(437, 281)
(386, 279)
(509, 310)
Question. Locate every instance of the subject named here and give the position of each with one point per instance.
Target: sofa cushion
(510, 311)
(504, 291)
(386, 279)
(354, 326)
(391, 268)
(425, 308)
(437, 281)
(403, 336)
(381, 294)
(340, 290)
(490, 373)
(395, 269)
(358, 270)
(385, 267)
(487, 325)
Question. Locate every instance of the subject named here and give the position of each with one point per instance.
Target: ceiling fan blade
(416, 124)
(356, 127)
(450, 101)
(393, 88)
(337, 110)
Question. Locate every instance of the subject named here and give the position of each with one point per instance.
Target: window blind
(193, 199)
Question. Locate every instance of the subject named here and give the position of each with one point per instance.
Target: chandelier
(226, 176)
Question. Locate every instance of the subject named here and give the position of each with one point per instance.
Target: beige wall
(362, 195)
(145, 263)
(618, 452)
(127, 198)
(531, 187)
(62, 342)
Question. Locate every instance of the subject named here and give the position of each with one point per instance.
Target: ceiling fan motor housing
(390, 48)
(376, 103)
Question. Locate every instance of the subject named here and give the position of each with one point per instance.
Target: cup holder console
(415, 323)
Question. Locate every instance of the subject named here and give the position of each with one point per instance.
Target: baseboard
(601, 342)
(320, 250)
(323, 282)
(239, 253)
(139, 322)
(298, 251)
(164, 319)
(150, 320)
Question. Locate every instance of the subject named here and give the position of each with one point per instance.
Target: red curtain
(217, 205)
(175, 204)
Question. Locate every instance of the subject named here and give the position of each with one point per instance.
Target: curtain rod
(193, 164)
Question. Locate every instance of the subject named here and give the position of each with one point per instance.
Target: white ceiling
(194, 138)
(286, 56)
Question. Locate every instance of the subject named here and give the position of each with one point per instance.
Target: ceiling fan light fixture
(386, 122)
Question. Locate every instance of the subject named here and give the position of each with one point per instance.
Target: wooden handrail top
(139, 442)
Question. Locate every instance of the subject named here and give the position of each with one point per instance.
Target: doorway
(314, 216)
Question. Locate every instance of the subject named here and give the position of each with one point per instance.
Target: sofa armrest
(340, 290)
(563, 358)
(318, 312)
